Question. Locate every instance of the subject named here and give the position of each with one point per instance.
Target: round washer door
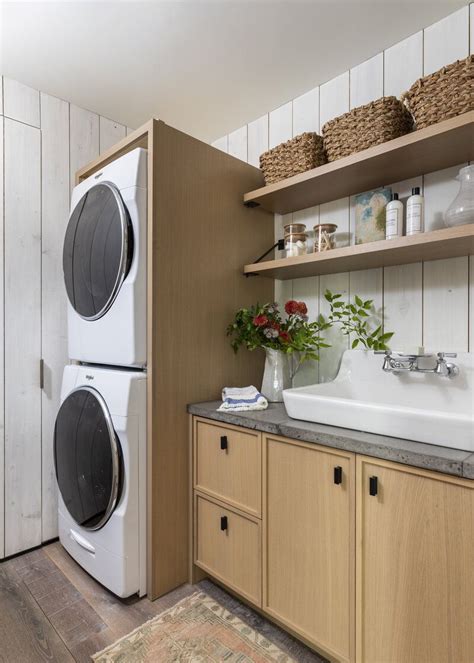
(87, 458)
(97, 251)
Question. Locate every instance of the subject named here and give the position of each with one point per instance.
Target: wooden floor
(51, 610)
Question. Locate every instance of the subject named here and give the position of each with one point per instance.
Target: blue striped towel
(235, 399)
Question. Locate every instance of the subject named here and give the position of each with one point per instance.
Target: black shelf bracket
(251, 203)
(280, 245)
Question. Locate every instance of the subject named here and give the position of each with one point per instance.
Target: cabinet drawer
(228, 547)
(227, 465)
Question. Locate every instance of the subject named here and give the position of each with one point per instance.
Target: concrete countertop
(274, 420)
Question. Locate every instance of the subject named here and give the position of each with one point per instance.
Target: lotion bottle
(415, 212)
(394, 218)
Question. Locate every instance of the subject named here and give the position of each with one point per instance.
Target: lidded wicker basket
(445, 93)
(366, 126)
(297, 155)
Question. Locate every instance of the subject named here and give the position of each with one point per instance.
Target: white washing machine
(104, 263)
(100, 461)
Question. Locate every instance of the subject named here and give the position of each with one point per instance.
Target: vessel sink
(415, 406)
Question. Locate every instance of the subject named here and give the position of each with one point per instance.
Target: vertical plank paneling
(334, 98)
(110, 133)
(366, 81)
(368, 284)
(306, 112)
(129, 130)
(471, 28)
(55, 210)
(2, 357)
(445, 305)
(22, 337)
(1, 96)
(446, 41)
(280, 125)
(403, 65)
(84, 133)
(403, 284)
(221, 144)
(307, 290)
(238, 143)
(257, 139)
(331, 357)
(471, 304)
(403, 305)
(21, 102)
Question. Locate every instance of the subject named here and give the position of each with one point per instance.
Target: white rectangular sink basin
(414, 406)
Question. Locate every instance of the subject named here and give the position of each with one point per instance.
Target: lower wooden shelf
(434, 245)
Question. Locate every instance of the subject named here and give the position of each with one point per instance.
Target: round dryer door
(97, 250)
(87, 458)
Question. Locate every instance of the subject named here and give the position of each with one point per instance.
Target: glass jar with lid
(295, 244)
(324, 239)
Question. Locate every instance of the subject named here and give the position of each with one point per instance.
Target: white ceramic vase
(277, 375)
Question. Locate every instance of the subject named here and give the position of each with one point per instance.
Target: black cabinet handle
(373, 486)
(223, 523)
(338, 474)
(224, 442)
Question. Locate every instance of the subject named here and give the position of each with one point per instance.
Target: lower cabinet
(415, 565)
(309, 543)
(228, 546)
(367, 561)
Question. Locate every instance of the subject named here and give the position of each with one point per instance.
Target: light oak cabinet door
(415, 578)
(228, 464)
(309, 545)
(228, 547)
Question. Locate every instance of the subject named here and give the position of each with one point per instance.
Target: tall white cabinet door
(22, 337)
(2, 385)
(55, 210)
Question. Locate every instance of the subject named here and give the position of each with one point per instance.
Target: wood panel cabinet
(309, 551)
(228, 464)
(415, 553)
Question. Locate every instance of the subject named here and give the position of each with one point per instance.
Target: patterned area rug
(195, 630)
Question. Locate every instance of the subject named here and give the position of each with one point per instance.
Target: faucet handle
(442, 355)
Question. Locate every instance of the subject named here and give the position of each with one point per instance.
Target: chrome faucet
(395, 362)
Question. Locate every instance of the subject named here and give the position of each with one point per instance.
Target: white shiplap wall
(430, 304)
(43, 141)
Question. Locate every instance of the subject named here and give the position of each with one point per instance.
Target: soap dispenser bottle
(415, 212)
(394, 218)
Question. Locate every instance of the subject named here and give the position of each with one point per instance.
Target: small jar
(292, 228)
(295, 244)
(324, 239)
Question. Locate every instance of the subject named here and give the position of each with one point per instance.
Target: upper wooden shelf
(446, 243)
(442, 145)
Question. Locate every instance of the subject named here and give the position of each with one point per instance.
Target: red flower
(285, 337)
(302, 308)
(274, 325)
(260, 320)
(291, 307)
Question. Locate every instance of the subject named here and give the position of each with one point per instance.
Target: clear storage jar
(324, 239)
(295, 244)
(461, 210)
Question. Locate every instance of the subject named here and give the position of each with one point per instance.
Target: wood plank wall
(430, 304)
(43, 141)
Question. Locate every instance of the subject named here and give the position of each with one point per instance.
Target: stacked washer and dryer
(100, 432)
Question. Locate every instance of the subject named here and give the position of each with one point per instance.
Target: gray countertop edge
(275, 421)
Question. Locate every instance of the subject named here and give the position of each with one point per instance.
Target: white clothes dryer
(104, 263)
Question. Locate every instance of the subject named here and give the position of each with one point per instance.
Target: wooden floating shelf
(445, 144)
(446, 243)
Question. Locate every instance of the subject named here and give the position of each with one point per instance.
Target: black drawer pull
(224, 442)
(373, 486)
(223, 523)
(338, 475)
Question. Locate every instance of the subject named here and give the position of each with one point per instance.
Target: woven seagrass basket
(443, 94)
(297, 155)
(365, 126)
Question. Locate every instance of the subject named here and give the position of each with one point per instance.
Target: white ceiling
(204, 67)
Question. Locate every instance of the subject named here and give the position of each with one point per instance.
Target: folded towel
(236, 399)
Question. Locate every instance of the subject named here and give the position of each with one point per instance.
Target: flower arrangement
(262, 326)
